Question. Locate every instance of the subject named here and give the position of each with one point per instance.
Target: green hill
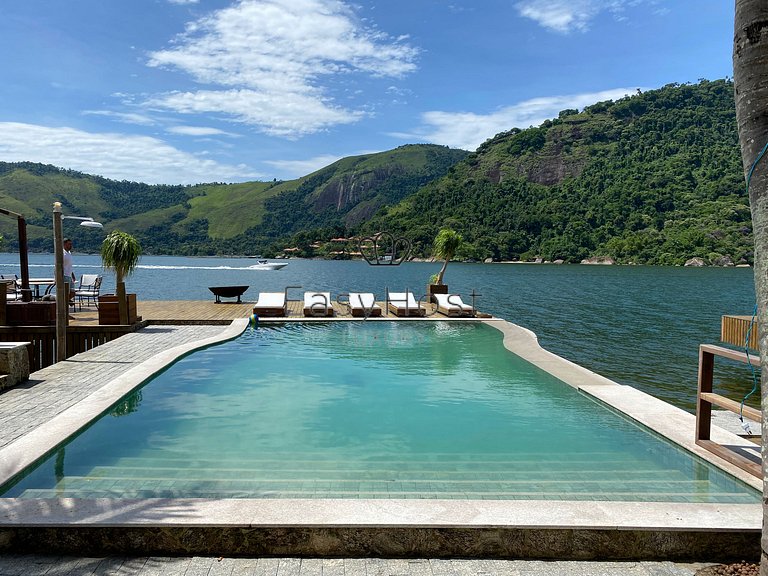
(653, 178)
(218, 218)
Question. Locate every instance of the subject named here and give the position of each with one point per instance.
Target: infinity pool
(369, 410)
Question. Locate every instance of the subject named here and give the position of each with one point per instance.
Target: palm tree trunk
(750, 73)
(441, 273)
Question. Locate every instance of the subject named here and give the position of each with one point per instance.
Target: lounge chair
(452, 305)
(88, 290)
(271, 304)
(318, 304)
(363, 304)
(404, 304)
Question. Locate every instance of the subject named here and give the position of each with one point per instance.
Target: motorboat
(267, 265)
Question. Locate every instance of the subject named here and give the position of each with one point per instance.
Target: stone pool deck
(32, 565)
(62, 398)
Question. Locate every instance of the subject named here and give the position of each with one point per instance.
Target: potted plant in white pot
(444, 247)
(120, 252)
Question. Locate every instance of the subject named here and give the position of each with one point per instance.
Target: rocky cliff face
(350, 189)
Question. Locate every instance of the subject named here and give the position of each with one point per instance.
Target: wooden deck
(209, 312)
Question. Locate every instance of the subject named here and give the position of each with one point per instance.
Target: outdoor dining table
(36, 283)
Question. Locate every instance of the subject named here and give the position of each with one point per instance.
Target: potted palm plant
(444, 247)
(119, 252)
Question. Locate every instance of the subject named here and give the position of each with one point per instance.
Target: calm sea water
(637, 325)
(370, 410)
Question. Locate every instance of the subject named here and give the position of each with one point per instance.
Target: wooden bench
(705, 399)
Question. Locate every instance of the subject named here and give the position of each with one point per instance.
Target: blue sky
(188, 91)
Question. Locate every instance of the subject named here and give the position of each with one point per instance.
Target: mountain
(652, 178)
(217, 218)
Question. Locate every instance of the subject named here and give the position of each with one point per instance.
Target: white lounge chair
(404, 304)
(453, 305)
(271, 304)
(318, 304)
(363, 304)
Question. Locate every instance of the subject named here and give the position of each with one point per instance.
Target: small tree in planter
(120, 252)
(444, 247)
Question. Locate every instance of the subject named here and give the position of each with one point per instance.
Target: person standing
(69, 272)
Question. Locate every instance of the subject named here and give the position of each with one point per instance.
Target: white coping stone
(383, 513)
(196, 512)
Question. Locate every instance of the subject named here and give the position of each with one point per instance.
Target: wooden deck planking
(208, 312)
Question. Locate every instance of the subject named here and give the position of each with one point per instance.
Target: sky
(191, 91)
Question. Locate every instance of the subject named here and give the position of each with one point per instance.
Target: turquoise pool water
(369, 410)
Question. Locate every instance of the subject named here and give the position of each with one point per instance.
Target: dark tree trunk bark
(750, 74)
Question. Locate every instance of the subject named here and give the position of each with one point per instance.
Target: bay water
(638, 325)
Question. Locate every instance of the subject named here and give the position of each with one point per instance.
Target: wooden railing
(706, 398)
(79, 339)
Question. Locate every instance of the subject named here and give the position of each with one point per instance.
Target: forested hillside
(654, 178)
(219, 218)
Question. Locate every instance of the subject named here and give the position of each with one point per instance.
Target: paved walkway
(161, 566)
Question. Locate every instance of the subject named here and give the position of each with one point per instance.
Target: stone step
(469, 492)
(295, 472)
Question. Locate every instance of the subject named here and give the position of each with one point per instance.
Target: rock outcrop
(599, 260)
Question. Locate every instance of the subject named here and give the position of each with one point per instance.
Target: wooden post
(703, 408)
(62, 292)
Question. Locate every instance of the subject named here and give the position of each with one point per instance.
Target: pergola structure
(23, 253)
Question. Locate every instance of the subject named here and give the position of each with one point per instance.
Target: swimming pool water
(369, 410)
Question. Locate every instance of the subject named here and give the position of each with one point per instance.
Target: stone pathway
(52, 390)
(13, 565)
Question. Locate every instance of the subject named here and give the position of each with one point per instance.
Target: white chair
(453, 305)
(363, 304)
(404, 304)
(271, 304)
(318, 304)
(88, 290)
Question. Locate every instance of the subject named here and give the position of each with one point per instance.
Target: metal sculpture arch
(384, 249)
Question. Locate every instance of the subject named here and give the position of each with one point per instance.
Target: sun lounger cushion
(270, 304)
(404, 304)
(452, 305)
(363, 304)
(318, 304)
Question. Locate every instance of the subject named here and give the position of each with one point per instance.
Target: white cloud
(198, 131)
(116, 156)
(468, 130)
(568, 15)
(125, 117)
(183, 2)
(263, 62)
